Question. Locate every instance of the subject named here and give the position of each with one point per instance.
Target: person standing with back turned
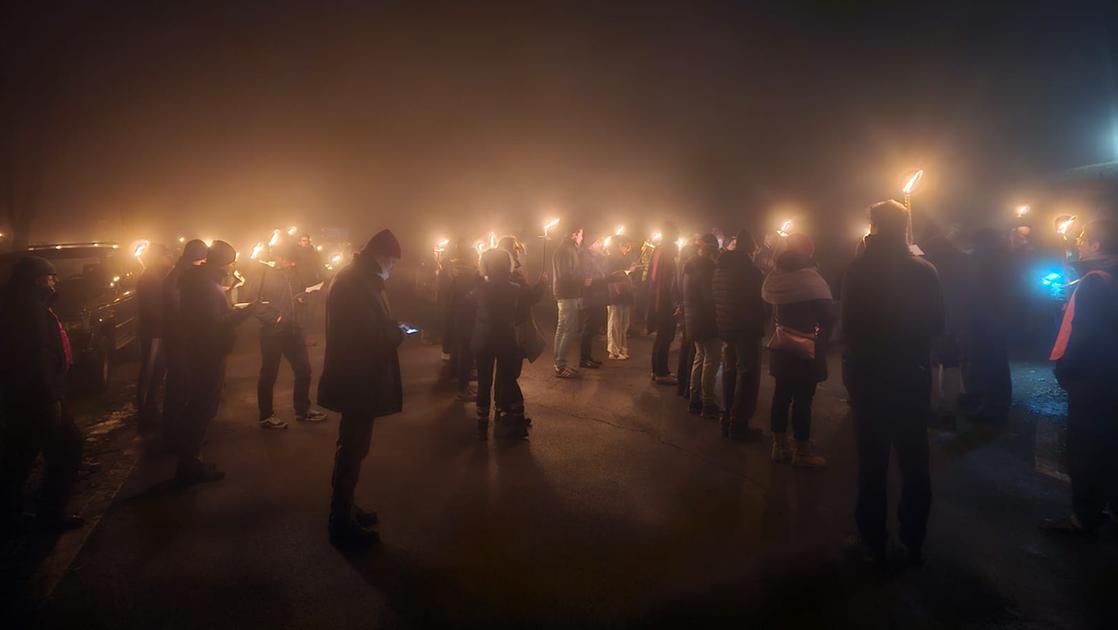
(360, 377)
(892, 307)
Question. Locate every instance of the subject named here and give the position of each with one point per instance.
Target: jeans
(31, 428)
(1092, 441)
(566, 330)
(881, 426)
(797, 395)
(504, 389)
(704, 370)
(355, 432)
(272, 347)
(592, 321)
(617, 329)
(661, 347)
(741, 377)
(203, 397)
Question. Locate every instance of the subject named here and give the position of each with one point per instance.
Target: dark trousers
(461, 360)
(354, 434)
(293, 346)
(203, 396)
(31, 428)
(879, 426)
(797, 395)
(153, 370)
(987, 376)
(741, 377)
(175, 391)
(661, 347)
(1091, 447)
(504, 388)
(683, 367)
(592, 320)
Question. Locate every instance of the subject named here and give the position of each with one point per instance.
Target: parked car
(96, 303)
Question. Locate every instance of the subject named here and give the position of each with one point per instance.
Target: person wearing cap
(282, 295)
(702, 330)
(209, 331)
(37, 356)
(157, 264)
(360, 377)
(174, 345)
(802, 302)
(740, 314)
(892, 308)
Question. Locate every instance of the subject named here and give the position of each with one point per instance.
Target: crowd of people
(728, 298)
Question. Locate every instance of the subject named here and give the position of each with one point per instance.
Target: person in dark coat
(892, 307)
(360, 376)
(153, 364)
(686, 356)
(701, 327)
(1084, 354)
(951, 349)
(663, 303)
(174, 343)
(37, 356)
(209, 331)
(740, 315)
(620, 267)
(595, 297)
(987, 376)
(499, 303)
(460, 303)
(801, 302)
(281, 314)
(569, 283)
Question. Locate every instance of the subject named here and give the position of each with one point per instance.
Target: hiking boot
(272, 423)
(312, 415)
(190, 473)
(782, 451)
(665, 380)
(711, 412)
(365, 518)
(511, 427)
(348, 534)
(802, 457)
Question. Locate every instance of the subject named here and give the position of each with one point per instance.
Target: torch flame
(1063, 226)
(619, 231)
(480, 247)
(550, 224)
(1022, 211)
(912, 181)
(492, 240)
(657, 237)
(609, 239)
(272, 242)
(139, 250)
(681, 242)
(256, 249)
(292, 230)
(785, 228)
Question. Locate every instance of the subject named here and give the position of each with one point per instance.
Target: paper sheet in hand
(313, 288)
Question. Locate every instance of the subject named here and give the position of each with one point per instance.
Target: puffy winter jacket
(738, 307)
(698, 299)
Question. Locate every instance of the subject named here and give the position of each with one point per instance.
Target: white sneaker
(312, 415)
(272, 422)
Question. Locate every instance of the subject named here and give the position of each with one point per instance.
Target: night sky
(227, 116)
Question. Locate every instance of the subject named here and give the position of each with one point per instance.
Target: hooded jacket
(801, 301)
(361, 371)
(892, 307)
(698, 299)
(32, 344)
(1090, 331)
(279, 287)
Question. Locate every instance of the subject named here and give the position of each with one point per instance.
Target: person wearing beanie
(281, 336)
(701, 327)
(208, 333)
(892, 308)
(174, 344)
(360, 377)
(802, 303)
(37, 356)
(740, 315)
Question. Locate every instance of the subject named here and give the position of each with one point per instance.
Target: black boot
(347, 533)
(365, 518)
(511, 427)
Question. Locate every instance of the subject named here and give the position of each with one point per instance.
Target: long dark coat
(698, 299)
(361, 372)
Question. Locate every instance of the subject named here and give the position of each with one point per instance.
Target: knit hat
(32, 267)
(384, 244)
(709, 240)
(801, 243)
(194, 250)
(221, 254)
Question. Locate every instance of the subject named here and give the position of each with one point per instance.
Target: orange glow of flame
(912, 181)
(785, 228)
(1065, 225)
(619, 231)
(272, 242)
(1022, 211)
(256, 249)
(140, 248)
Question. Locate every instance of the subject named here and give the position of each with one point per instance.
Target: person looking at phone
(281, 317)
(360, 377)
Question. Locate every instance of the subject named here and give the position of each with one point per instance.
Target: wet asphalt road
(622, 509)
